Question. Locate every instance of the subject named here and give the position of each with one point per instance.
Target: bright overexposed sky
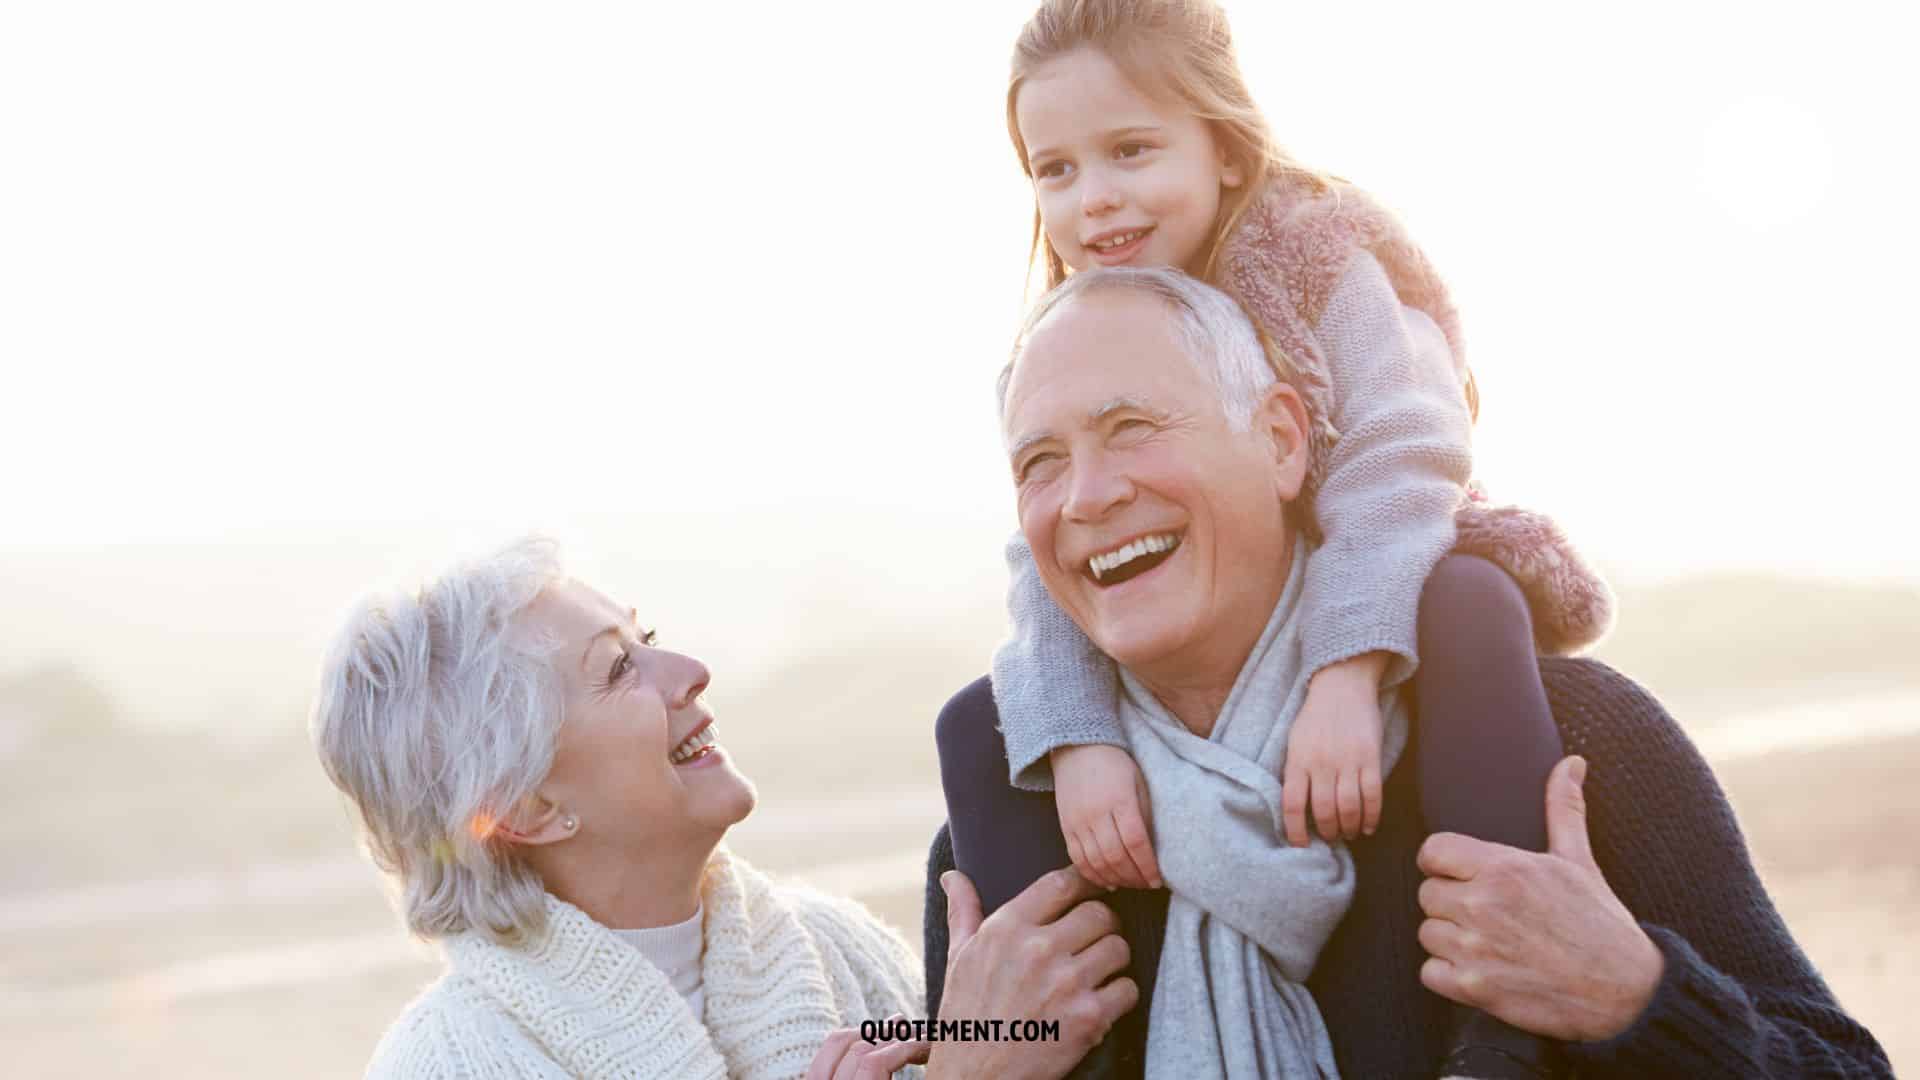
(271, 269)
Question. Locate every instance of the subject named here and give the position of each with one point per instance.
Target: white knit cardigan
(782, 967)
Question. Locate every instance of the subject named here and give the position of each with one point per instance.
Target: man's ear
(1282, 417)
(538, 821)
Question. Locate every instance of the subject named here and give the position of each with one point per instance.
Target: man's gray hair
(1213, 331)
(436, 719)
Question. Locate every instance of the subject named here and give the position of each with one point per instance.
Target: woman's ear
(1283, 417)
(538, 821)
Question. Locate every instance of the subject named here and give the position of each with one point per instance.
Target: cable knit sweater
(783, 966)
(1738, 999)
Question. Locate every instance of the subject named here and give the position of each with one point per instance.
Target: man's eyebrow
(633, 616)
(1026, 442)
(1094, 416)
(1113, 405)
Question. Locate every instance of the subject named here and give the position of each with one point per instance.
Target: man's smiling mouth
(1130, 560)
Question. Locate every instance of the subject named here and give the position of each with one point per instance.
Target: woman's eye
(621, 665)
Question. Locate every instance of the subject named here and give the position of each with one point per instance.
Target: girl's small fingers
(1113, 856)
(1293, 803)
(1133, 833)
(1079, 856)
(1348, 788)
(1326, 809)
(1371, 799)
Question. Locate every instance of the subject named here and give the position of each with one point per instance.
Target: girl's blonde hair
(1173, 50)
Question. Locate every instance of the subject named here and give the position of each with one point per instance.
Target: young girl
(1145, 148)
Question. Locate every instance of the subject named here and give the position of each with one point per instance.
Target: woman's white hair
(436, 719)
(1216, 335)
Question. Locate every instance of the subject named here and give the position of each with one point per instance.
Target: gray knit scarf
(1249, 913)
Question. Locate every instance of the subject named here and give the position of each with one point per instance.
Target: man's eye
(1031, 468)
(649, 637)
(621, 665)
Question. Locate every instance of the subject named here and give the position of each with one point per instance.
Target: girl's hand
(1103, 814)
(1333, 753)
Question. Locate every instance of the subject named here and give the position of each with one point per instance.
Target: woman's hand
(1104, 812)
(1333, 753)
(847, 1056)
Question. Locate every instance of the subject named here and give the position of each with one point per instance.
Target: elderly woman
(547, 788)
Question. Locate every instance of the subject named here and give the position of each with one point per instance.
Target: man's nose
(1095, 488)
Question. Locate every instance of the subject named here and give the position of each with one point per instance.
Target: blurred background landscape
(188, 898)
(296, 300)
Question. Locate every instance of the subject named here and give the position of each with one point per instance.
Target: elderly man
(1652, 950)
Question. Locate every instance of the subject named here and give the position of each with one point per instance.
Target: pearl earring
(570, 824)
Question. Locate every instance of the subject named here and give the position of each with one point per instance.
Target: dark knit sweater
(1738, 998)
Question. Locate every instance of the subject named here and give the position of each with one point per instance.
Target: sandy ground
(229, 977)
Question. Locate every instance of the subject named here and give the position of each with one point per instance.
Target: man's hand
(1043, 956)
(1538, 940)
(1103, 804)
(846, 1056)
(1333, 753)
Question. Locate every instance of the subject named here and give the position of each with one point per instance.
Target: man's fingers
(963, 909)
(1348, 797)
(1133, 833)
(1116, 999)
(1370, 798)
(1567, 812)
(1443, 939)
(1103, 959)
(1443, 898)
(1443, 978)
(1293, 804)
(1048, 898)
(1450, 855)
(1326, 807)
(1086, 924)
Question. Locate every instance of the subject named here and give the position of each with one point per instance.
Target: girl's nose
(1099, 197)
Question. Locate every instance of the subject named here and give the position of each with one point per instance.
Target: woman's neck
(624, 891)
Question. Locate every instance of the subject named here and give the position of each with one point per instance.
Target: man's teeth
(1123, 238)
(1101, 565)
(692, 745)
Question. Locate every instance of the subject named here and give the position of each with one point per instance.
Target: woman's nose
(686, 681)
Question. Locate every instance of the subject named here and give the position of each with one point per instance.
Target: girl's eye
(1050, 170)
(1131, 149)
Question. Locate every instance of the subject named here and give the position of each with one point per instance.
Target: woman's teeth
(1102, 565)
(1119, 241)
(693, 746)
